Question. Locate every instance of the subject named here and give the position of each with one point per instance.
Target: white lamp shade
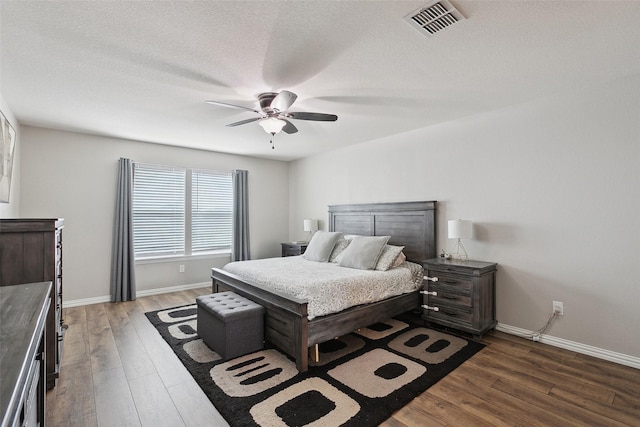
(460, 229)
(310, 225)
(272, 125)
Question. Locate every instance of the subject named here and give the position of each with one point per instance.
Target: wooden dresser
(31, 251)
(23, 312)
(463, 297)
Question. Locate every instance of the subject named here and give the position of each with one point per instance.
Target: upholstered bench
(230, 324)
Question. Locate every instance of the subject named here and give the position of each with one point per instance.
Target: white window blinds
(158, 210)
(211, 211)
(179, 211)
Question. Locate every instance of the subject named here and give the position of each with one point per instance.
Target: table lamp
(310, 226)
(460, 229)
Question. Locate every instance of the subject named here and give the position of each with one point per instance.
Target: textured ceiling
(142, 70)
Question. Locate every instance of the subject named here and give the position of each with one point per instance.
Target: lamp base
(460, 253)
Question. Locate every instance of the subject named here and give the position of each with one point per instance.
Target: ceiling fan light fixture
(272, 125)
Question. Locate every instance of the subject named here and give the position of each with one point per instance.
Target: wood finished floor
(117, 371)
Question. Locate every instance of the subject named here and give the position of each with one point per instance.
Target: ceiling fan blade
(320, 117)
(289, 127)
(283, 100)
(244, 122)
(224, 104)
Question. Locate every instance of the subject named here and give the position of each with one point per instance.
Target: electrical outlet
(558, 308)
(181, 268)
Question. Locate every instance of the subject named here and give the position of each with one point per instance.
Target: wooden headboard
(410, 224)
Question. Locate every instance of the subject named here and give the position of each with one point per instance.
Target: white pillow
(363, 252)
(321, 245)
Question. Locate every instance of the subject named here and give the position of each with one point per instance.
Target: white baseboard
(146, 292)
(85, 301)
(158, 291)
(600, 353)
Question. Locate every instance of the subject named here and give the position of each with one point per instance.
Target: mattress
(327, 287)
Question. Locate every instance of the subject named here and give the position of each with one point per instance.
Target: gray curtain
(123, 278)
(240, 240)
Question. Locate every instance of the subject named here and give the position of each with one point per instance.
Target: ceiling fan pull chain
(272, 146)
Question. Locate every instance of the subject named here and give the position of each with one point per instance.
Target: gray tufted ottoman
(231, 325)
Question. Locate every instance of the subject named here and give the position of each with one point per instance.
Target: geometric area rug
(361, 379)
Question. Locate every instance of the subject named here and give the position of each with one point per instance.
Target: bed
(287, 323)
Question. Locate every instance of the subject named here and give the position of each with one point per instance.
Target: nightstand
(293, 249)
(463, 297)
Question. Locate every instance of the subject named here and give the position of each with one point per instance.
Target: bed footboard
(325, 328)
(286, 323)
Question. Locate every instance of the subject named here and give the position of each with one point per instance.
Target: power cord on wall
(535, 336)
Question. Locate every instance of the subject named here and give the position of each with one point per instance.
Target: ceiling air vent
(434, 17)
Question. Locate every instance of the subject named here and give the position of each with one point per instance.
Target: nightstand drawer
(451, 314)
(450, 282)
(448, 299)
(293, 249)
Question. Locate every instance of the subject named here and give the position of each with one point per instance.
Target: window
(211, 211)
(179, 211)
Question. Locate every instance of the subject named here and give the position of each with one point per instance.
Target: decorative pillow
(340, 246)
(321, 245)
(351, 236)
(388, 257)
(363, 252)
(400, 260)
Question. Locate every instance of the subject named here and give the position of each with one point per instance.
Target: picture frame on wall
(7, 145)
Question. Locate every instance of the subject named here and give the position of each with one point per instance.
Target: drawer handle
(433, 279)
(428, 307)
(434, 293)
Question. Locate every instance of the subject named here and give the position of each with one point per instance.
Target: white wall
(74, 176)
(552, 187)
(12, 209)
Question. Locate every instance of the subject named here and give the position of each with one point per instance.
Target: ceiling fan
(273, 115)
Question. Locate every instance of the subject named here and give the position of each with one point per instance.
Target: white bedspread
(327, 287)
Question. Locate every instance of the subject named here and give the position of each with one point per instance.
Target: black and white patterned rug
(361, 380)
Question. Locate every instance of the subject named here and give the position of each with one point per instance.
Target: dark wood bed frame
(410, 224)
